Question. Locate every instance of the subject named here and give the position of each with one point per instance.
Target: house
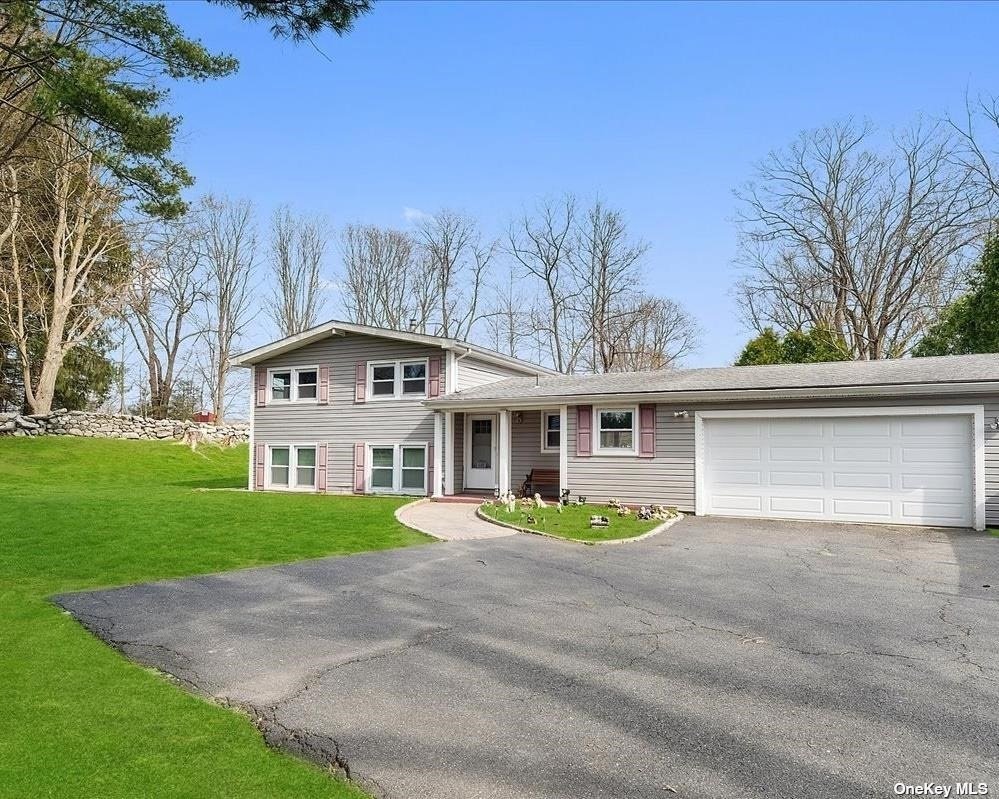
(349, 408)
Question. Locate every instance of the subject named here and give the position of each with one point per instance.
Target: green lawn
(573, 522)
(79, 720)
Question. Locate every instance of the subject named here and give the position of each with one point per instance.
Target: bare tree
(382, 281)
(839, 236)
(65, 256)
(508, 319)
(456, 261)
(161, 304)
(541, 246)
(230, 245)
(648, 333)
(297, 248)
(606, 270)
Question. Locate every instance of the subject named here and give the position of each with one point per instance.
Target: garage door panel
(930, 512)
(935, 480)
(861, 428)
(900, 469)
(794, 428)
(935, 428)
(879, 508)
(873, 480)
(809, 479)
(737, 502)
(724, 453)
(934, 455)
(796, 454)
(862, 454)
(811, 505)
(735, 477)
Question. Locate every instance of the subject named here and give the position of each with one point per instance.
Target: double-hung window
(397, 468)
(616, 430)
(397, 379)
(551, 423)
(294, 385)
(292, 466)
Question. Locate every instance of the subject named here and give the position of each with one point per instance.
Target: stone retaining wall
(105, 425)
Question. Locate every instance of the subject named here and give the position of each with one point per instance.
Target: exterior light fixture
(995, 423)
(680, 414)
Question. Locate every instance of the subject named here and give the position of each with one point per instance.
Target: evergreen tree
(799, 346)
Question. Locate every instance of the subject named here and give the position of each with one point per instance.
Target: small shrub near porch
(573, 522)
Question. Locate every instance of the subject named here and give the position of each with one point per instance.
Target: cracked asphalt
(723, 658)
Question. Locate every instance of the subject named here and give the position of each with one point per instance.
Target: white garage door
(896, 469)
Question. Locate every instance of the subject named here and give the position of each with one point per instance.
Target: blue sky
(661, 109)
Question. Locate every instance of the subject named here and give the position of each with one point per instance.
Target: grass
(993, 531)
(79, 719)
(574, 521)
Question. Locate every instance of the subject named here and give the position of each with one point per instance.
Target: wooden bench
(537, 478)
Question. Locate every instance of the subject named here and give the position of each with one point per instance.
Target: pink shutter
(258, 466)
(261, 381)
(434, 382)
(430, 470)
(584, 430)
(359, 467)
(360, 381)
(647, 431)
(324, 385)
(321, 468)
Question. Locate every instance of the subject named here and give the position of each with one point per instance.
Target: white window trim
(292, 465)
(545, 449)
(976, 412)
(397, 447)
(615, 451)
(294, 400)
(397, 393)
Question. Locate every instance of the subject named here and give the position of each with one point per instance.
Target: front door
(480, 452)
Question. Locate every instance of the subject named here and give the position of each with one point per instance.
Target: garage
(903, 466)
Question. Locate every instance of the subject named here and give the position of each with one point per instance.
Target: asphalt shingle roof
(898, 372)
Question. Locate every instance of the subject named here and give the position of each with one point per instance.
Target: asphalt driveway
(720, 659)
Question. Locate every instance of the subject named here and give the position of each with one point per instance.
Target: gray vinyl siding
(471, 372)
(342, 422)
(668, 478)
(525, 448)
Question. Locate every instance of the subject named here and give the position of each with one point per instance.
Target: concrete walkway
(449, 521)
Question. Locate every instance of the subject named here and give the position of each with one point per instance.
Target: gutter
(903, 390)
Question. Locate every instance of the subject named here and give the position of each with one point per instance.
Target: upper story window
(294, 385)
(551, 423)
(616, 430)
(397, 379)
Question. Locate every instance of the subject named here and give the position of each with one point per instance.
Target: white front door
(480, 451)
(897, 469)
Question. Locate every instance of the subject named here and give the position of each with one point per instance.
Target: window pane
(281, 385)
(307, 384)
(382, 457)
(414, 386)
(412, 478)
(383, 372)
(381, 478)
(615, 420)
(413, 457)
(306, 456)
(553, 421)
(383, 389)
(279, 456)
(305, 476)
(412, 371)
(616, 439)
(552, 439)
(279, 475)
